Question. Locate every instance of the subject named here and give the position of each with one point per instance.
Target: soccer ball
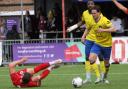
(77, 82)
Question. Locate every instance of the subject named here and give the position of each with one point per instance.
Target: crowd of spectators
(42, 26)
(38, 26)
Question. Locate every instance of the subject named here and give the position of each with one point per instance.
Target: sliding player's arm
(120, 6)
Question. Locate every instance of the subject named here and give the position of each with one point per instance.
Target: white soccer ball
(77, 82)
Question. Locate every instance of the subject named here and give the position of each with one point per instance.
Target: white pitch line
(84, 74)
(81, 74)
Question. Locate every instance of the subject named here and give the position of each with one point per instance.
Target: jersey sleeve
(107, 23)
(82, 17)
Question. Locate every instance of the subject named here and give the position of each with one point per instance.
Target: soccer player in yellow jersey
(88, 39)
(103, 42)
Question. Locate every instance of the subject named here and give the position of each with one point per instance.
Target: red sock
(44, 74)
(41, 67)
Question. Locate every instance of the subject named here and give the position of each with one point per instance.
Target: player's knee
(92, 58)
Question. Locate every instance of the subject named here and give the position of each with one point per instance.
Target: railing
(7, 50)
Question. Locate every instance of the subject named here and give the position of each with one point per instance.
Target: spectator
(72, 18)
(2, 28)
(51, 24)
(117, 23)
(2, 23)
(13, 34)
(28, 26)
(58, 18)
(37, 19)
(42, 25)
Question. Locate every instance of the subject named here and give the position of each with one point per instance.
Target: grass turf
(61, 78)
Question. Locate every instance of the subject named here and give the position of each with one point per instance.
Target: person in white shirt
(118, 24)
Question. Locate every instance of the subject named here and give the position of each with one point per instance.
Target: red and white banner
(119, 50)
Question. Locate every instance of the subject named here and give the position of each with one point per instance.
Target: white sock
(52, 62)
(102, 76)
(50, 68)
(88, 76)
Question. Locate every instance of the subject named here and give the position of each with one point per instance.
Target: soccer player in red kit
(26, 78)
(120, 6)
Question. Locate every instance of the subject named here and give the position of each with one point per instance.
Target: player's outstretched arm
(14, 63)
(22, 60)
(120, 6)
(71, 28)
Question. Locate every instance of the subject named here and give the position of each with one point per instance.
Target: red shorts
(17, 80)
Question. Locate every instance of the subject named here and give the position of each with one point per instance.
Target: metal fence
(8, 44)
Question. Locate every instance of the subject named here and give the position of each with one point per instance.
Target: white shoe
(106, 81)
(98, 80)
(86, 81)
(58, 61)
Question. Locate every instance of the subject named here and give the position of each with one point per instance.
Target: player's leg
(94, 66)
(14, 63)
(43, 66)
(107, 66)
(44, 74)
(102, 66)
(95, 51)
(88, 46)
(106, 55)
(88, 72)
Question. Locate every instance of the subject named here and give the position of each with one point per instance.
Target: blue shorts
(88, 45)
(99, 50)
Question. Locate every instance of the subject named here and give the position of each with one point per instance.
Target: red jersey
(17, 80)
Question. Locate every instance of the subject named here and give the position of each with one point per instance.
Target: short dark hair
(90, 1)
(97, 8)
(26, 78)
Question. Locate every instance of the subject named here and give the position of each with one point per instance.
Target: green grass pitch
(61, 78)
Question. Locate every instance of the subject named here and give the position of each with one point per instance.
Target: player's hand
(83, 40)
(24, 59)
(100, 30)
